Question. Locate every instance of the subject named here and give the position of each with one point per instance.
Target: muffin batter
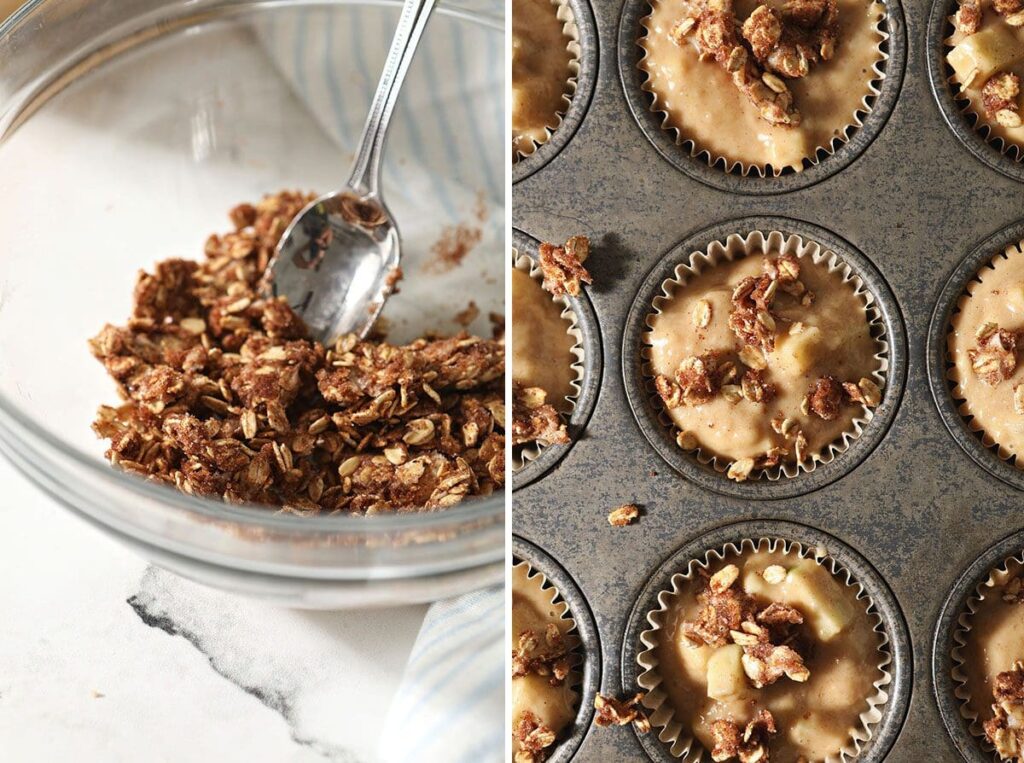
(995, 296)
(830, 336)
(995, 640)
(995, 47)
(815, 718)
(702, 103)
(541, 345)
(534, 609)
(540, 72)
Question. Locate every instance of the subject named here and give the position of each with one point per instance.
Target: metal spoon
(337, 262)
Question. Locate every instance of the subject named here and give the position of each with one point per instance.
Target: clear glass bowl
(127, 130)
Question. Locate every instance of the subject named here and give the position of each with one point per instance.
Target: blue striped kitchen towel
(449, 707)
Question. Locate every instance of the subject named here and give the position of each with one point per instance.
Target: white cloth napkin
(449, 126)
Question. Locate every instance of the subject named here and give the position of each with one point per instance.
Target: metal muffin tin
(917, 507)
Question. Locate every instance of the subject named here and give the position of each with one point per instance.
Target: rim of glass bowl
(477, 517)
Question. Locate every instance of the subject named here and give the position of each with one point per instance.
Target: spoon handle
(365, 176)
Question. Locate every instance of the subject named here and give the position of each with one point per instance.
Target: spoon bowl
(338, 260)
(337, 263)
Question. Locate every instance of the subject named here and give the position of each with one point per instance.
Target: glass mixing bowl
(127, 131)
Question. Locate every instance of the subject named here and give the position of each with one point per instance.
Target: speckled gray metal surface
(917, 508)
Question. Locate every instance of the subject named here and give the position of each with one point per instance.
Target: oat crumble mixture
(225, 395)
(534, 418)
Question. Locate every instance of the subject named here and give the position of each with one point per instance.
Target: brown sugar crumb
(226, 396)
(697, 380)
(562, 266)
(772, 645)
(544, 654)
(750, 317)
(617, 712)
(790, 41)
(455, 243)
(999, 97)
(534, 419)
(995, 358)
(967, 18)
(749, 745)
(467, 316)
(624, 515)
(1006, 729)
(534, 739)
(825, 398)
(1008, 7)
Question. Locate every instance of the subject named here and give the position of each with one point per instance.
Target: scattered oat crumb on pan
(624, 515)
(621, 712)
(986, 55)
(562, 266)
(763, 86)
(760, 361)
(226, 396)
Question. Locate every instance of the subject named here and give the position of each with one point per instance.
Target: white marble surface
(105, 658)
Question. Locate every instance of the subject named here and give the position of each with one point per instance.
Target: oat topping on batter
(1006, 729)
(765, 49)
(995, 358)
(534, 419)
(749, 745)
(225, 395)
(534, 739)
(773, 646)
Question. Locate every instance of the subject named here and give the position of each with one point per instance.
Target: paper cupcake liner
(734, 248)
(974, 120)
(961, 634)
(534, 585)
(571, 31)
(953, 378)
(681, 742)
(842, 135)
(523, 454)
